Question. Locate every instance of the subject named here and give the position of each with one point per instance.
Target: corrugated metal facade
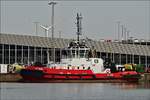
(109, 47)
(26, 49)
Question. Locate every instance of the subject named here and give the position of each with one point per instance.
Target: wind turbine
(46, 28)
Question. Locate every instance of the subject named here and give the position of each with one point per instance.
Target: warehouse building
(26, 49)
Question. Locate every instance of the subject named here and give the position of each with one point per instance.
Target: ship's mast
(79, 28)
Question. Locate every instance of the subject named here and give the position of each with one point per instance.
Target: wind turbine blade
(43, 26)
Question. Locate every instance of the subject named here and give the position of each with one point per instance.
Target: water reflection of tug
(79, 64)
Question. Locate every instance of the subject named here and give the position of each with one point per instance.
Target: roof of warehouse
(110, 47)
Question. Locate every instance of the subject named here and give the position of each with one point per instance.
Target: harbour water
(74, 91)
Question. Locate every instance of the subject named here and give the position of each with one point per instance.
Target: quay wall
(147, 77)
(10, 77)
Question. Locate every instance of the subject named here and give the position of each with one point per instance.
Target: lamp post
(52, 30)
(122, 26)
(36, 28)
(118, 30)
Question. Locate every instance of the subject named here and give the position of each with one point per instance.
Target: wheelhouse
(76, 50)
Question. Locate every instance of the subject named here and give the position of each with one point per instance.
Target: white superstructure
(79, 56)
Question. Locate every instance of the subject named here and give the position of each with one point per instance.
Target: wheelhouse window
(82, 52)
(73, 53)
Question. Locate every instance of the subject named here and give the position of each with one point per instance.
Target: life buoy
(107, 71)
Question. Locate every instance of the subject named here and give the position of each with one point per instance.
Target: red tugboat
(80, 64)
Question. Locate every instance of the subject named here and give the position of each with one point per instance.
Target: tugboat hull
(40, 76)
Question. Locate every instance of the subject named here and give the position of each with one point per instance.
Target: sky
(99, 18)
